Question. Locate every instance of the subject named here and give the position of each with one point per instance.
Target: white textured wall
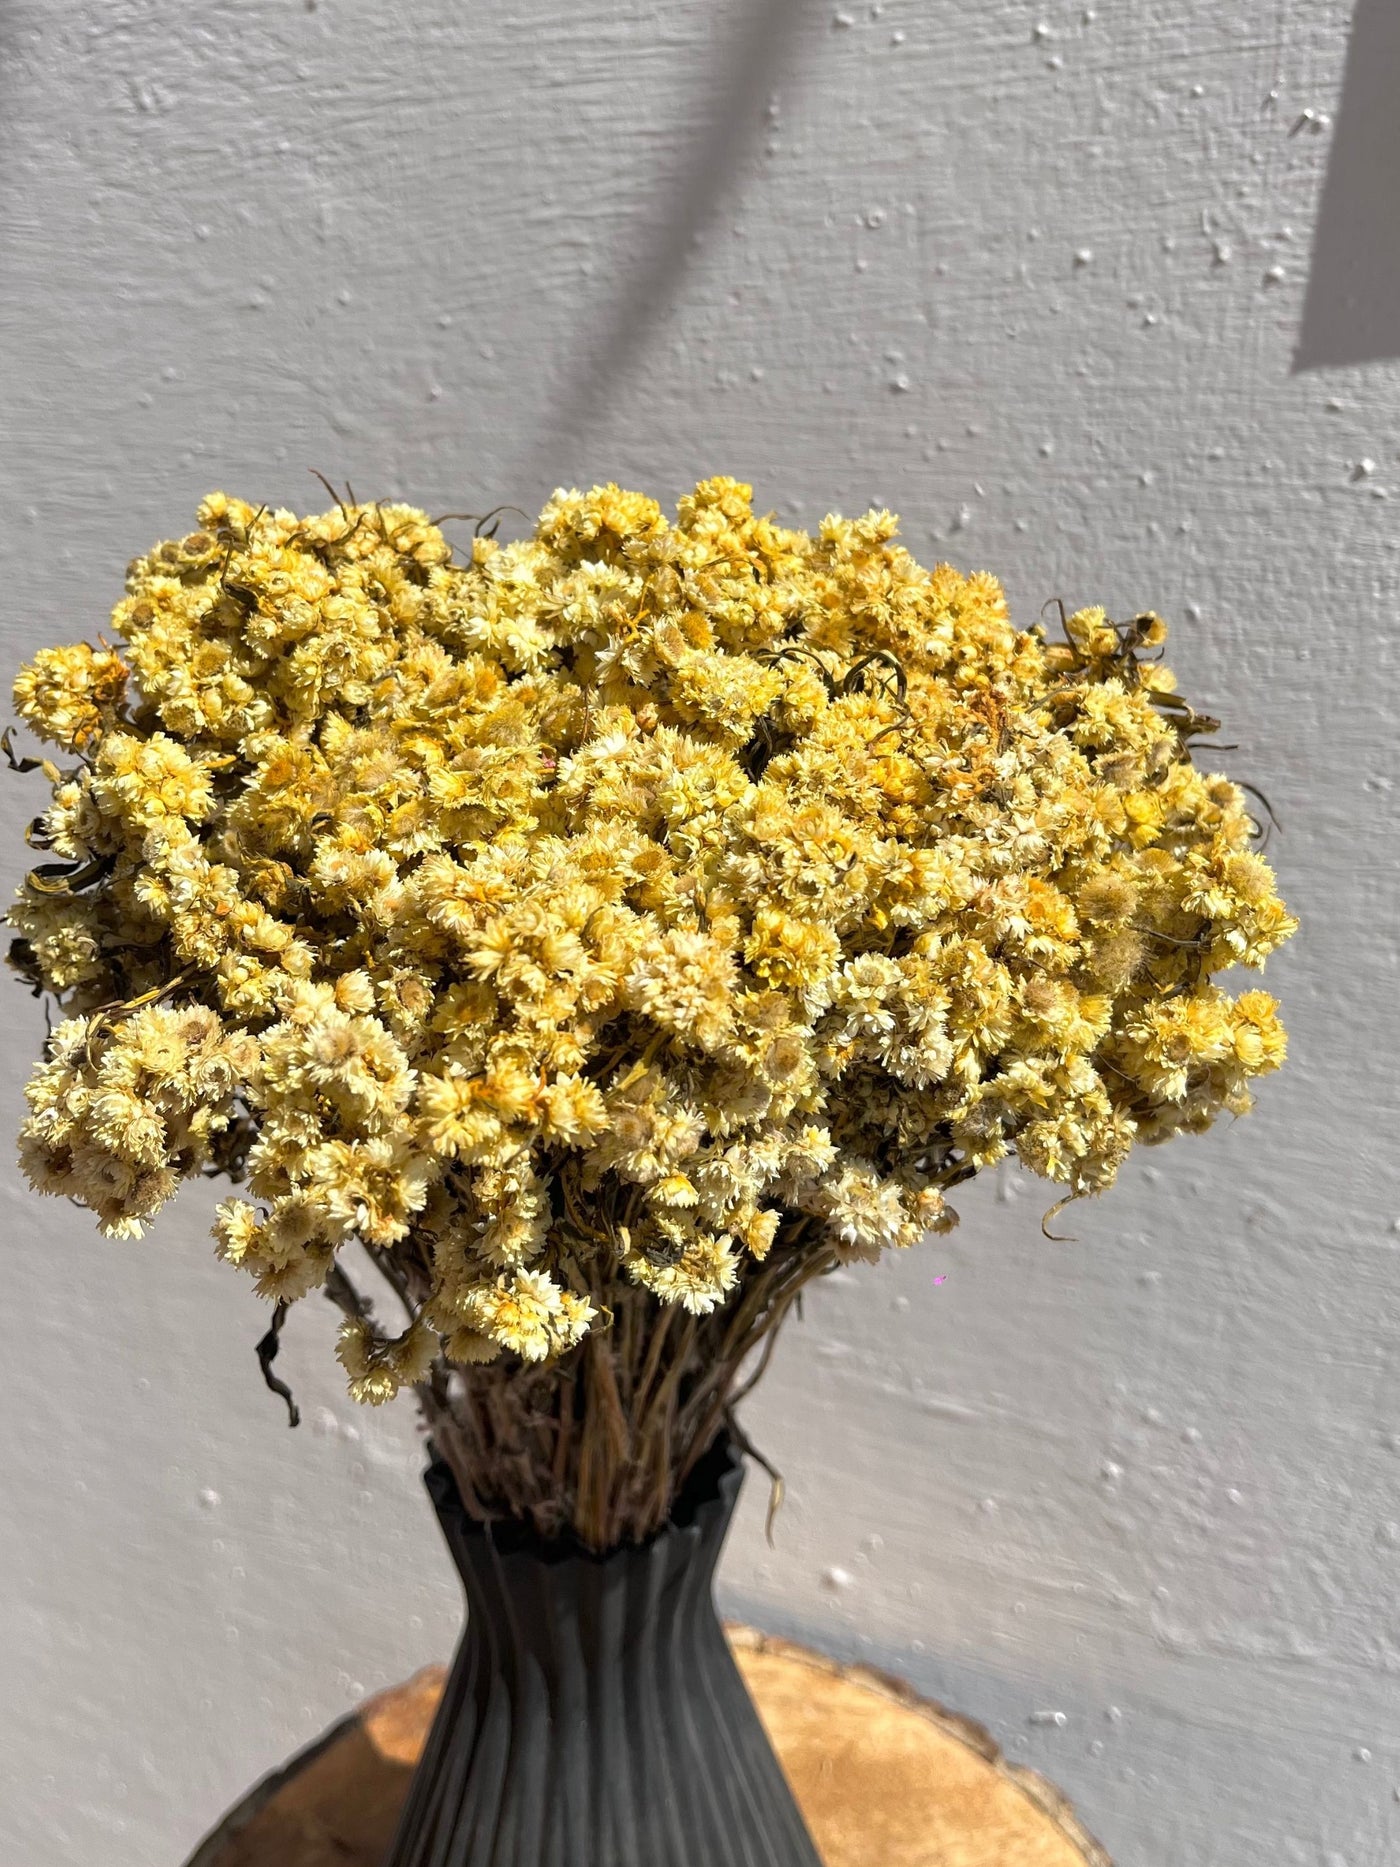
(1033, 275)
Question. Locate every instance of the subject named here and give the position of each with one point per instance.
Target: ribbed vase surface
(594, 1715)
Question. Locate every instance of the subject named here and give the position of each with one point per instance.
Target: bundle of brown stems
(600, 1441)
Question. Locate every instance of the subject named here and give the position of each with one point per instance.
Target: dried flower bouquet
(610, 933)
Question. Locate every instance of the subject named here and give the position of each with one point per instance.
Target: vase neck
(528, 1593)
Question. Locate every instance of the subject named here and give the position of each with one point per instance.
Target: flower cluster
(612, 905)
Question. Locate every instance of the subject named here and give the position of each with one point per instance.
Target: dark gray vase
(594, 1715)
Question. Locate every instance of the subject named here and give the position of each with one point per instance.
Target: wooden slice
(885, 1779)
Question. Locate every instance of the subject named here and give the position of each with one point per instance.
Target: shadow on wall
(1352, 312)
(762, 50)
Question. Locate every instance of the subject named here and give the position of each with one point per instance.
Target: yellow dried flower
(627, 905)
(68, 695)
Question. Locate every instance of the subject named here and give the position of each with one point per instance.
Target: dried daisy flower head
(610, 932)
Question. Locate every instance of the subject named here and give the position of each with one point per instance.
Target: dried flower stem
(599, 1441)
